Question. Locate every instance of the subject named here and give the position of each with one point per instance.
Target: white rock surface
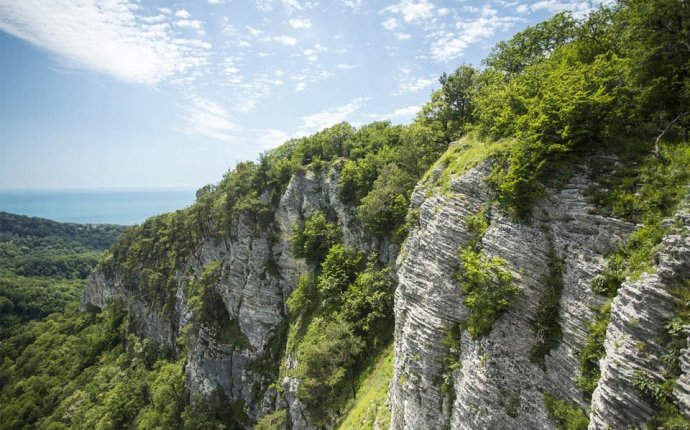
(497, 387)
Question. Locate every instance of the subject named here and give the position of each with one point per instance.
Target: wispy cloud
(183, 14)
(448, 45)
(329, 117)
(355, 5)
(268, 5)
(412, 10)
(579, 8)
(404, 113)
(269, 138)
(299, 23)
(413, 85)
(107, 37)
(390, 24)
(207, 118)
(312, 54)
(286, 40)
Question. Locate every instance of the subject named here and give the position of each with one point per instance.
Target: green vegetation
(325, 355)
(660, 392)
(593, 351)
(313, 239)
(452, 336)
(488, 289)
(565, 415)
(547, 325)
(341, 320)
(370, 409)
(277, 420)
(463, 155)
(72, 370)
(43, 265)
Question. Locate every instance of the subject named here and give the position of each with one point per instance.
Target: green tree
(313, 240)
(324, 356)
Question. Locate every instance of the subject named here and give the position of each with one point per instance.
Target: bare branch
(657, 151)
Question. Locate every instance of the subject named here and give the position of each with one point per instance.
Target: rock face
(258, 273)
(493, 383)
(635, 337)
(497, 386)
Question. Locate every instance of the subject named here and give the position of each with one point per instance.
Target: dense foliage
(43, 265)
(81, 370)
(565, 415)
(341, 320)
(488, 289)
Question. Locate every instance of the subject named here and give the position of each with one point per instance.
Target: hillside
(517, 257)
(44, 265)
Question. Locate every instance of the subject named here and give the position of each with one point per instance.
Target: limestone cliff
(496, 385)
(494, 381)
(258, 272)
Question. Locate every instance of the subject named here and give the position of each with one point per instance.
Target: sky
(153, 94)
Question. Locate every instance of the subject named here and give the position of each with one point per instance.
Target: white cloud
(182, 14)
(579, 8)
(185, 23)
(254, 32)
(450, 45)
(267, 5)
(353, 4)
(414, 85)
(329, 117)
(390, 24)
(264, 5)
(309, 76)
(312, 54)
(215, 1)
(404, 113)
(105, 37)
(291, 5)
(208, 118)
(269, 138)
(345, 66)
(286, 40)
(252, 90)
(412, 10)
(403, 36)
(299, 23)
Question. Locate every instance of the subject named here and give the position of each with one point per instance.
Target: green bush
(565, 415)
(338, 271)
(593, 351)
(382, 212)
(324, 357)
(313, 239)
(277, 420)
(488, 289)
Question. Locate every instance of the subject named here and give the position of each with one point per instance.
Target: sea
(124, 207)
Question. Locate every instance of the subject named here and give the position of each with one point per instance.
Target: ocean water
(126, 207)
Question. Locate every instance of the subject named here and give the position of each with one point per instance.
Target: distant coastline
(101, 206)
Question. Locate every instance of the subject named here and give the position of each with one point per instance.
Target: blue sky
(147, 94)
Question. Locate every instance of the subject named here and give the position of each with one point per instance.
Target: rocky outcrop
(489, 383)
(636, 337)
(496, 386)
(258, 272)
